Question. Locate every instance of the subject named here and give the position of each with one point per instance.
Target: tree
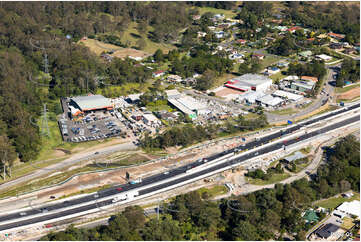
(141, 43)
(244, 231)
(135, 217)
(158, 56)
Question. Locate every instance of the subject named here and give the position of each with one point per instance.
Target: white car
(22, 214)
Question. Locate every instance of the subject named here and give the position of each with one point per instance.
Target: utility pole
(44, 123)
(158, 211)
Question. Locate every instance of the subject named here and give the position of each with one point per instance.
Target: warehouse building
(82, 104)
(288, 95)
(188, 106)
(303, 86)
(269, 101)
(250, 82)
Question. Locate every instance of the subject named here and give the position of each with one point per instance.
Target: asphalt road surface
(68, 162)
(159, 177)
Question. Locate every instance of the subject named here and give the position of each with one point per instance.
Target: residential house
(309, 78)
(283, 64)
(336, 36)
(310, 216)
(107, 57)
(196, 17)
(201, 34)
(306, 53)
(293, 29)
(241, 41)
(336, 46)
(220, 34)
(174, 78)
(158, 74)
(272, 70)
(258, 56)
(323, 57)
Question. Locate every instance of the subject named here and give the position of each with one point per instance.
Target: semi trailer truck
(125, 196)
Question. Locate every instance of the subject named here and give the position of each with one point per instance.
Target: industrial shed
(250, 82)
(288, 95)
(91, 103)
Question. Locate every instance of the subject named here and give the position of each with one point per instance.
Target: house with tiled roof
(336, 36)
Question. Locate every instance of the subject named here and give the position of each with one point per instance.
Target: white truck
(125, 196)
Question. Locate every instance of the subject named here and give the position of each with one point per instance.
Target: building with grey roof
(296, 156)
(327, 230)
(248, 82)
(90, 103)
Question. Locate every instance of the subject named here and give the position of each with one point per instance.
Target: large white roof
(350, 208)
(269, 100)
(251, 80)
(91, 102)
(289, 95)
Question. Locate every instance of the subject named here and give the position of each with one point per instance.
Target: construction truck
(132, 182)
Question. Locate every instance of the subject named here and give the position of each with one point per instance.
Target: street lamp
(69, 37)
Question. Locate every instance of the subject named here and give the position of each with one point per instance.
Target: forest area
(31, 31)
(266, 214)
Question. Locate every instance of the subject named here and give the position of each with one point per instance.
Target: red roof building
(293, 29)
(336, 36)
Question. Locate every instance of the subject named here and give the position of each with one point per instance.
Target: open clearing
(98, 47)
(350, 94)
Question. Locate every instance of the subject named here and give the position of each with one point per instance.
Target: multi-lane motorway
(46, 213)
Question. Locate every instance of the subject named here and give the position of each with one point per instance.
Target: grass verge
(333, 202)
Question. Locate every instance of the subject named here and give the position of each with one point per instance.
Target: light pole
(69, 37)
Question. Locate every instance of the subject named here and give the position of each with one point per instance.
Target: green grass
(214, 191)
(221, 80)
(227, 13)
(130, 36)
(124, 159)
(336, 201)
(278, 76)
(274, 179)
(269, 60)
(348, 88)
(125, 89)
(284, 111)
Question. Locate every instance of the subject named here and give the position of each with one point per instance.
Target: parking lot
(91, 127)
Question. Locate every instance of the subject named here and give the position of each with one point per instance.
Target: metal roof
(91, 102)
(295, 156)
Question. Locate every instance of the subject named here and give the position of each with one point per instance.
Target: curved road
(181, 170)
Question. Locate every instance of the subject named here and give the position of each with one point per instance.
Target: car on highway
(44, 210)
(166, 173)
(256, 153)
(22, 214)
(52, 197)
(119, 189)
(96, 195)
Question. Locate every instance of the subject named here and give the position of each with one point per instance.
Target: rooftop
(91, 102)
(297, 155)
(327, 230)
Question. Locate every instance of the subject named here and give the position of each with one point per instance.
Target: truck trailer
(125, 196)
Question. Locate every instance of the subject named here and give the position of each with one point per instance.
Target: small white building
(323, 57)
(288, 95)
(174, 78)
(150, 119)
(158, 74)
(201, 34)
(269, 101)
(172, 93)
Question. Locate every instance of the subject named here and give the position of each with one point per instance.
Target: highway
(45, 216)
